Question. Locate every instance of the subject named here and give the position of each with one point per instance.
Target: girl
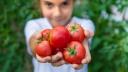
(55, 13)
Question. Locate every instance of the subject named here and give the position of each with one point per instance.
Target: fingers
(57, 57)
(89, 34)
(44, 59)
(57, 60)
(58, 63)
(76, 66)
(86, 60)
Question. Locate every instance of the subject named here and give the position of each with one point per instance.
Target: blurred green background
(109, 47)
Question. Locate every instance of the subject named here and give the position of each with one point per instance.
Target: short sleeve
(88, 25)
(30, 28)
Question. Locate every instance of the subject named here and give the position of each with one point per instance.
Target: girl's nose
(57, 12)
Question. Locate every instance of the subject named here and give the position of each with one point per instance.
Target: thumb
(89, 34)
(57, 56)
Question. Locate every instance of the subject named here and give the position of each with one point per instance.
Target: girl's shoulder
(83, 20)
(36, 21)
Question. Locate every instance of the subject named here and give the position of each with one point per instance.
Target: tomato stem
(72, 51)
(39, 40)
(73, 28)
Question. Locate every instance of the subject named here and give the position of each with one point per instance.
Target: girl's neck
(56, 24)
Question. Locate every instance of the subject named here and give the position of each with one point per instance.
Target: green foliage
(109, 47)
(110, 44)
(109, 51)
(13, 16)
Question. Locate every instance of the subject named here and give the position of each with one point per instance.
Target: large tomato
(43, 49)
(77, 32)
(74, 53)
(45, 34)
(59, 37)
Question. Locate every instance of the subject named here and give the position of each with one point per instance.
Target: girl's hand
(87, 58)
(44, 59)
(36, 39)
(55, 60)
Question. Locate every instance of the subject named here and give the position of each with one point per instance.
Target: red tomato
(74, 53)
(59, 37)
(55, 50)
(45, 34)
(77, 32)
(43, 49)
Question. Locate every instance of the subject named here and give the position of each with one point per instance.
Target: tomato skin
(74, 53)
(43, 49)
(76, 32)
(59, 37)
(56, 50)
(45, 34)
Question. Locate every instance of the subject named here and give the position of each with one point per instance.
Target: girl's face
(58, 12)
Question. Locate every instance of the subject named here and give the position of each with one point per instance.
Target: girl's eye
(64, 4)
(49, 5)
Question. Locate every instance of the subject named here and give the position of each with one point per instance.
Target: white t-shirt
(35, 25)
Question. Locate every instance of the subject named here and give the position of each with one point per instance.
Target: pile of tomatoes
(67, 40)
